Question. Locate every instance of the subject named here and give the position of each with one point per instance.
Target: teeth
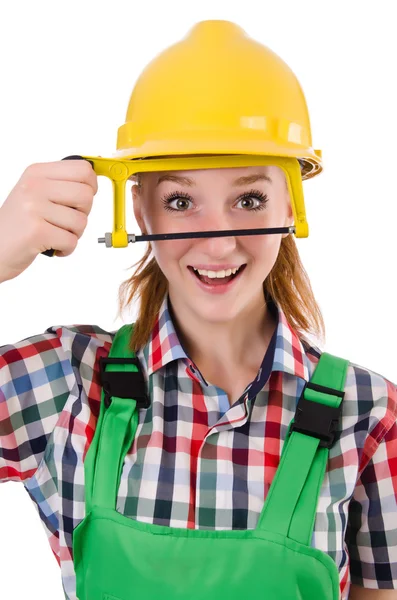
(217, 274)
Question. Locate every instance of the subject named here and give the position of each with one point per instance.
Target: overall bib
(119, 558)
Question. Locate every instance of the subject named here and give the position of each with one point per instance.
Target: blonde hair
(287, 284)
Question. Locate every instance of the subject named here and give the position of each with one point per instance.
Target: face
(211, 200)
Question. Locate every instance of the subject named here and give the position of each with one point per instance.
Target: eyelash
(251, 194)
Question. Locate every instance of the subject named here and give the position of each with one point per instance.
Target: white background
(67, 71)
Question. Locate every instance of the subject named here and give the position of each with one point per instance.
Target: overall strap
(124, 390)
(291, 504)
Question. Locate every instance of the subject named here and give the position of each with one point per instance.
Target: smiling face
(213, 200)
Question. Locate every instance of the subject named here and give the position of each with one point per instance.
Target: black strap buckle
(124, 384)
(316, 419)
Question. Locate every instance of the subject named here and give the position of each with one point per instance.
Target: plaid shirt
(197, 462)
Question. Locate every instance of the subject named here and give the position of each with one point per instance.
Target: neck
(240, 343)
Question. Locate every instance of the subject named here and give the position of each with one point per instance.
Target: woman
(164, 499)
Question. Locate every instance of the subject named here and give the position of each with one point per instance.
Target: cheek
(264, 252)
(261, 245)
(170, 254)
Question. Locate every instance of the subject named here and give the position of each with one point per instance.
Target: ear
(137, 206)
(289, 220)
(290, 214)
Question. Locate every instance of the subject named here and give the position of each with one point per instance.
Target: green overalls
(119, 558)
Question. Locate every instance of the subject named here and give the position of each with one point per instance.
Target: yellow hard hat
(218, 91)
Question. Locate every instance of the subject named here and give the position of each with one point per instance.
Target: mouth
(217, 285)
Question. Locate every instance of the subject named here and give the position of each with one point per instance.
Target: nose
(217, 247)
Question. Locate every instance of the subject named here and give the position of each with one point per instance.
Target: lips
(219, 287)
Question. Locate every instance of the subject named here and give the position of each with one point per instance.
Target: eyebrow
(245, 180)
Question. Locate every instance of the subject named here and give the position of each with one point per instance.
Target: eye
(260, 196)
(172, 196)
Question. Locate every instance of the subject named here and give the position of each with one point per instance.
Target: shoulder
(57, 343)
(370, 402)
(41, 377)
(84, 333)
(371, 396)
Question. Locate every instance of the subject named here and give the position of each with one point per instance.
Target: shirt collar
(164, 345)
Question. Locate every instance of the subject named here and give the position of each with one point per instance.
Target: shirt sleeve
(36, 379)
(371, 535)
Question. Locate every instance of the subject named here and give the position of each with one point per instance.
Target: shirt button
(192, 373)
